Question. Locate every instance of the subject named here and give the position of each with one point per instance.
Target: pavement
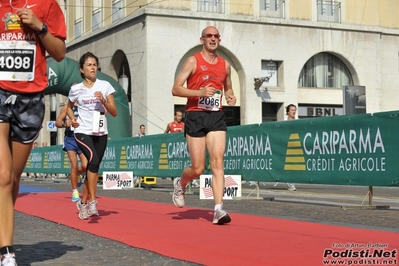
(41, 242)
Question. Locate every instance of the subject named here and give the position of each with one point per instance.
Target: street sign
(51, 126)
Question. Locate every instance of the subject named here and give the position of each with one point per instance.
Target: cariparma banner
(342, 150)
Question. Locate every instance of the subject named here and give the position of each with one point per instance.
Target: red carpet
(187, 233)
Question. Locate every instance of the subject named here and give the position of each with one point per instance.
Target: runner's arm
(167, 129)
(60, 122)
(178, 87)
(228, 88)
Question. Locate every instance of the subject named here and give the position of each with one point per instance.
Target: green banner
(345, 150)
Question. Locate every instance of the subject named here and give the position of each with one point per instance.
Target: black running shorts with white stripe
(24, 113)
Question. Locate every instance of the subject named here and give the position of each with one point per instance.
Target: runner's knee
(198, 170)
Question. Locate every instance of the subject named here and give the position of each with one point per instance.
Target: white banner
(232, 187)
(117, 180)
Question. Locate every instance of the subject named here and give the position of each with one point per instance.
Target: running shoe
(178, 193)
(92, 208)
(83, 211)
(79, 205)
(221, 217)
(8, 260)
(75, 196)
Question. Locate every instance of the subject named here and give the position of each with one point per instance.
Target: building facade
(308, 49)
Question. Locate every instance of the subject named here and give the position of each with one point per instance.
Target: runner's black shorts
(93, 148)
(199, 124)
(24, 112)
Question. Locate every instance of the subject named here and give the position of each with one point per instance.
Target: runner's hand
(231, 100)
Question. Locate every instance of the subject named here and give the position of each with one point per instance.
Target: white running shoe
(178, 193)
(79, 205)
(92, 208)
(83, 212)
(8, 260)
(221, 217)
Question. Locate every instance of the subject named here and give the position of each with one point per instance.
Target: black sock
(6, 250)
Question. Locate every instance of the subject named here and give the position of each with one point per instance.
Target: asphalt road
(41, 242)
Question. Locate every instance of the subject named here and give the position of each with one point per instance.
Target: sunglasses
(209, 35)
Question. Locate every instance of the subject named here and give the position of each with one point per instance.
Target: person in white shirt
(142, 131)
(95, 98)
(291, 112)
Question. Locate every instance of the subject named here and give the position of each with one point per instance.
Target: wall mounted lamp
(270, 69)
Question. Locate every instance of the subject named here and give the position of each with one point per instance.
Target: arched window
(324, 70)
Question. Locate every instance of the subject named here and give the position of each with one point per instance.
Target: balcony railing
(272, 8)
(211, 6)
(328, 11)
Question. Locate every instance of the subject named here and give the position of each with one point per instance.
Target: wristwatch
(43, 30)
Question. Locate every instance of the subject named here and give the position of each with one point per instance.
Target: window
(272, 8)
(79, 18)
(212, 6)
(329, 11)
(269, 69)
(269, 5)
(269, 111)
(325, 70)
(232, 115)
(97, 14)
(117, 10)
